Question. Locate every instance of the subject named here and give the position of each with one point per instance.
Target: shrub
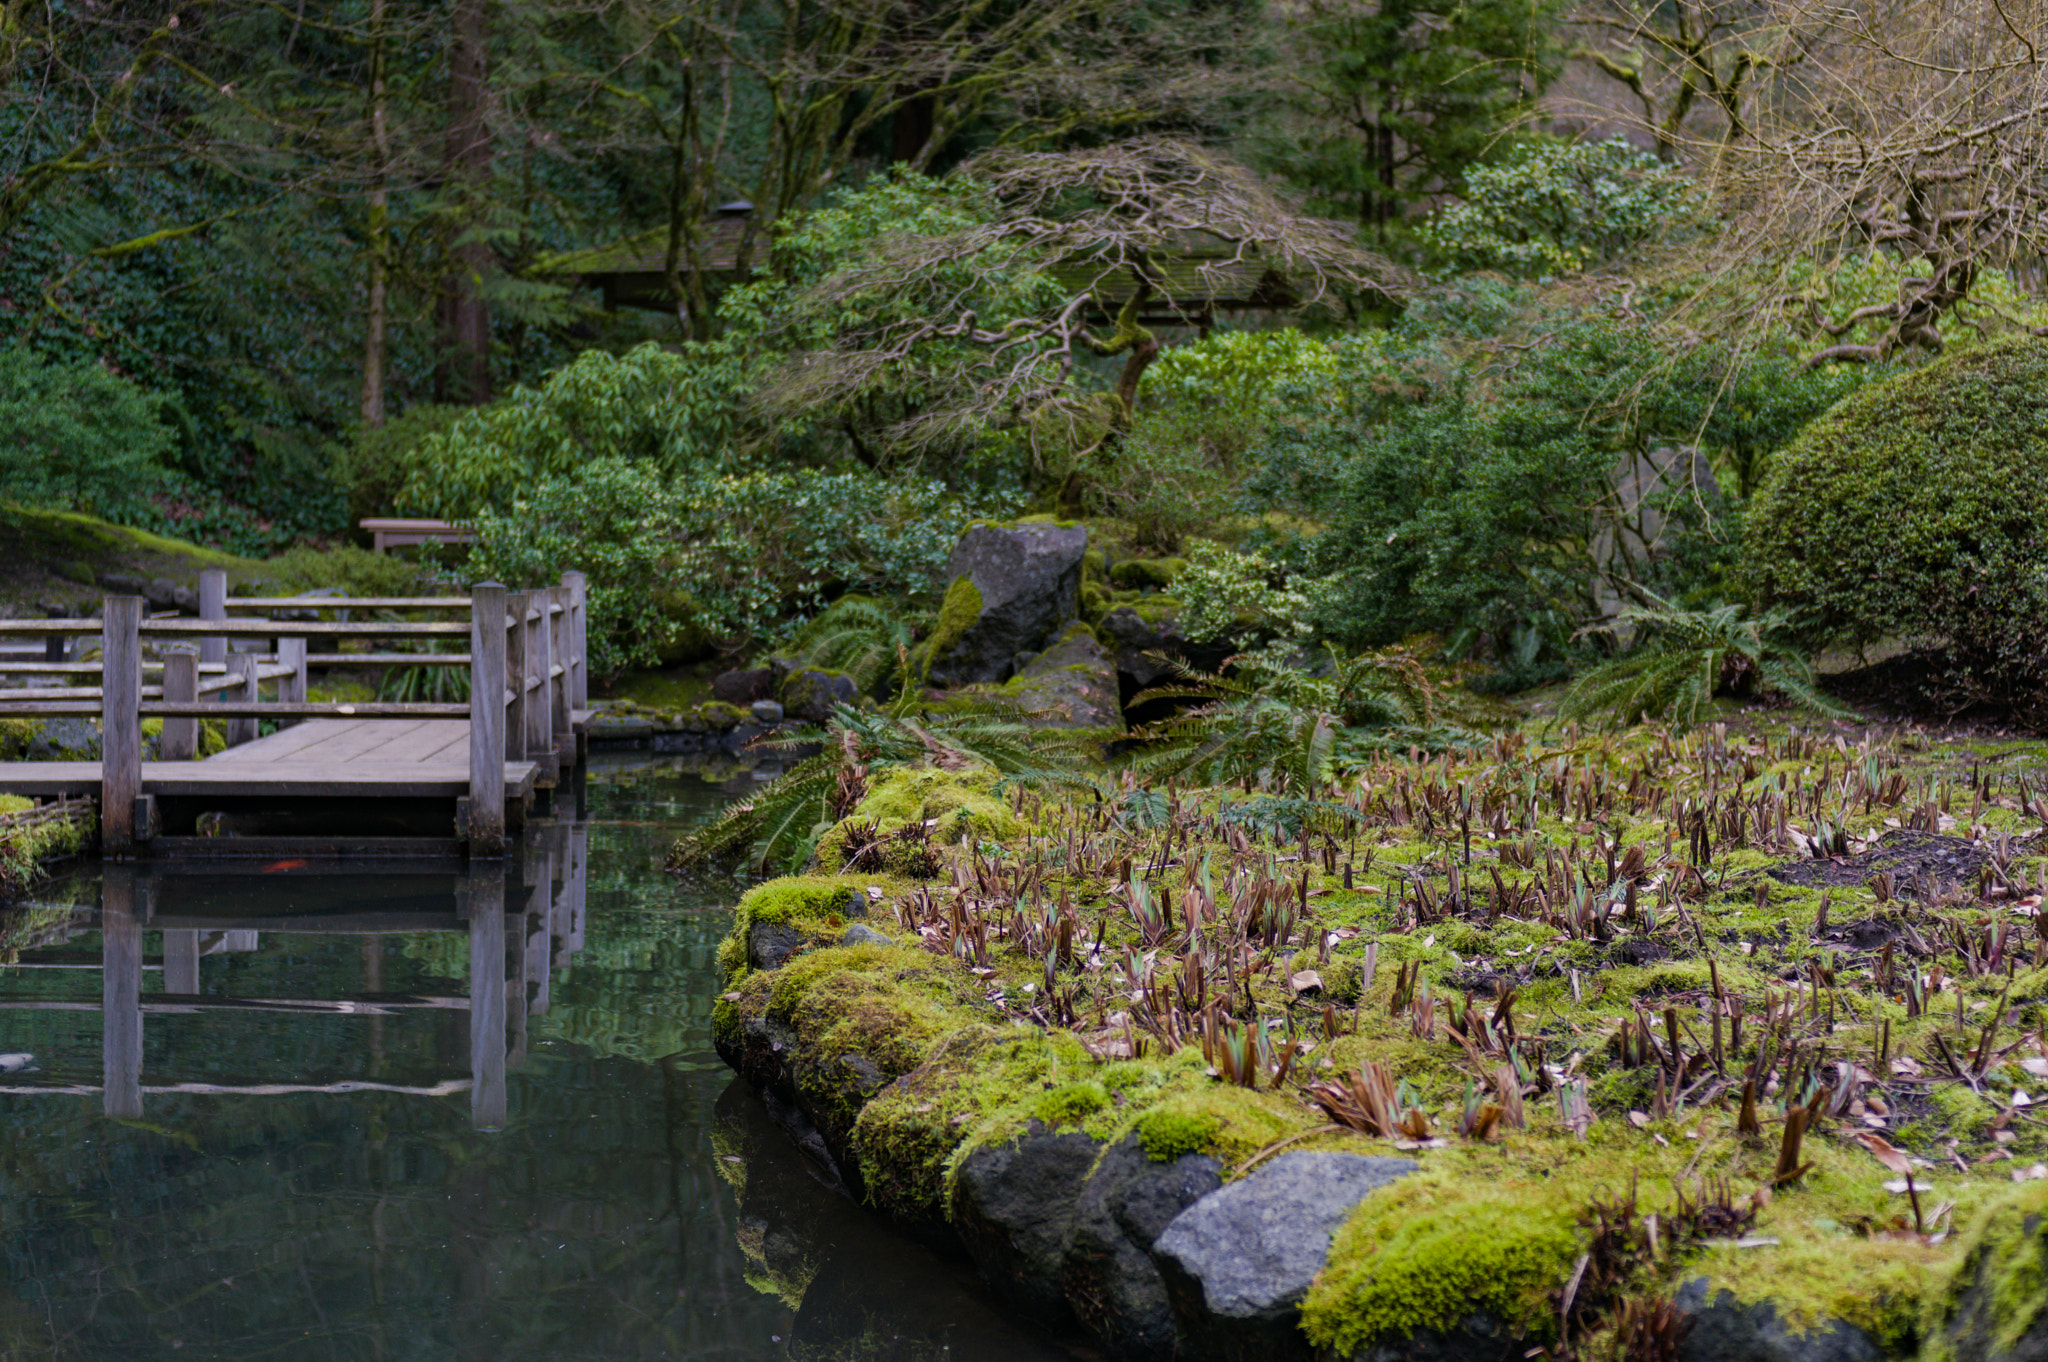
(1917, 510)
(1456, 515)
(1157, 480)
(1213, 395)
(1554, 208)
(671, 409)
(372, 463)
(349, 571)
(76, 437)
(715, 560)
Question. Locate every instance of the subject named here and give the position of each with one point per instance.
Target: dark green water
(285, 1115)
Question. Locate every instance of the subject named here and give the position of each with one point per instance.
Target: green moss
(909, 1136)
(954, 804)
(2003, 1272)
(1411, 1260)
(671, 691)
(799, 898)
(1966, 1113)
(1147, 573)
(720, 715)
(819, 905)
(1070, 1104)
(1094, 603)
(15, 735)
(1157, 610)
(1167, 1135)
(958, 613)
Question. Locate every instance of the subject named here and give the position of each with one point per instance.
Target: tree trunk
(376, 303)
(463, 368)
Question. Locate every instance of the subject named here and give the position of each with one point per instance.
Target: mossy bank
(1651, 1046)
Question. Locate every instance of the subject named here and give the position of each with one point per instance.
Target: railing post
(120, 722)
(243, 729)
(213, 605)
(561, 649)
(540, 706)
(180, 739)
(579, 650)
(518, 662)
(291, 690)
(486, 830)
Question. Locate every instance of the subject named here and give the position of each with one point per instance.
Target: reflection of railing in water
(537, 926)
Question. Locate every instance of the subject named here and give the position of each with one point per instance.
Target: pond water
(283, 1112)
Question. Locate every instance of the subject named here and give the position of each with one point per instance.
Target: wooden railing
(527, 678)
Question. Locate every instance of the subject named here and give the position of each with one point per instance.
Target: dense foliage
(1554, 208)
(1917, 511)
(76, 436)
(713, 560)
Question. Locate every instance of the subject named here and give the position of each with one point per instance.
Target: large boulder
(1111, 1281)
(1072, 684)
(744, 686)
(1013, 1207)
(1010, 589)
(1238, 1262)
(1141, 634)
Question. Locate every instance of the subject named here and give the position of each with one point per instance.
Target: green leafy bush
(714, 561)
(1917, 510)
(1554, 208)
(1452, 515)
(1213, 395)
(1157, 480)
(372, 464)
(673, 410)
(1243, 597)
(349, 571)
(77, 437)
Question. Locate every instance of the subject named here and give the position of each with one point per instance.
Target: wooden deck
(339, 777)
(358, 758)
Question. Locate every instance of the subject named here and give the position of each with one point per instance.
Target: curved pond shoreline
(932, 1043)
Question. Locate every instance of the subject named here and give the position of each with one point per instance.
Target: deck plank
(283, 778)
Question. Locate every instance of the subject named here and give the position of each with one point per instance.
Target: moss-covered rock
(1994, 1304)
(714, 716)
(1072, 684)
(809, 694)
(1020, 585)
(1421, 1259)
(1147, 574)
(908, 809)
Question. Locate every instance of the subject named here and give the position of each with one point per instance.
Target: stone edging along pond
(1144, 1200)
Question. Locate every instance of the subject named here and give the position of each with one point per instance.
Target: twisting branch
(1096, 234)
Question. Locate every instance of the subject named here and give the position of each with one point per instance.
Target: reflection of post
(544, 928)
(487, 994)
(579, 864)
(515, 963)
(181, 960)
(121, 992)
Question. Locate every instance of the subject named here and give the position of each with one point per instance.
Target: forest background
(266, 269)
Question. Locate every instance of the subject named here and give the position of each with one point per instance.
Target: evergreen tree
(1396, 98)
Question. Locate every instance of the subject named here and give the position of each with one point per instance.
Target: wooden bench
(397, 533)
